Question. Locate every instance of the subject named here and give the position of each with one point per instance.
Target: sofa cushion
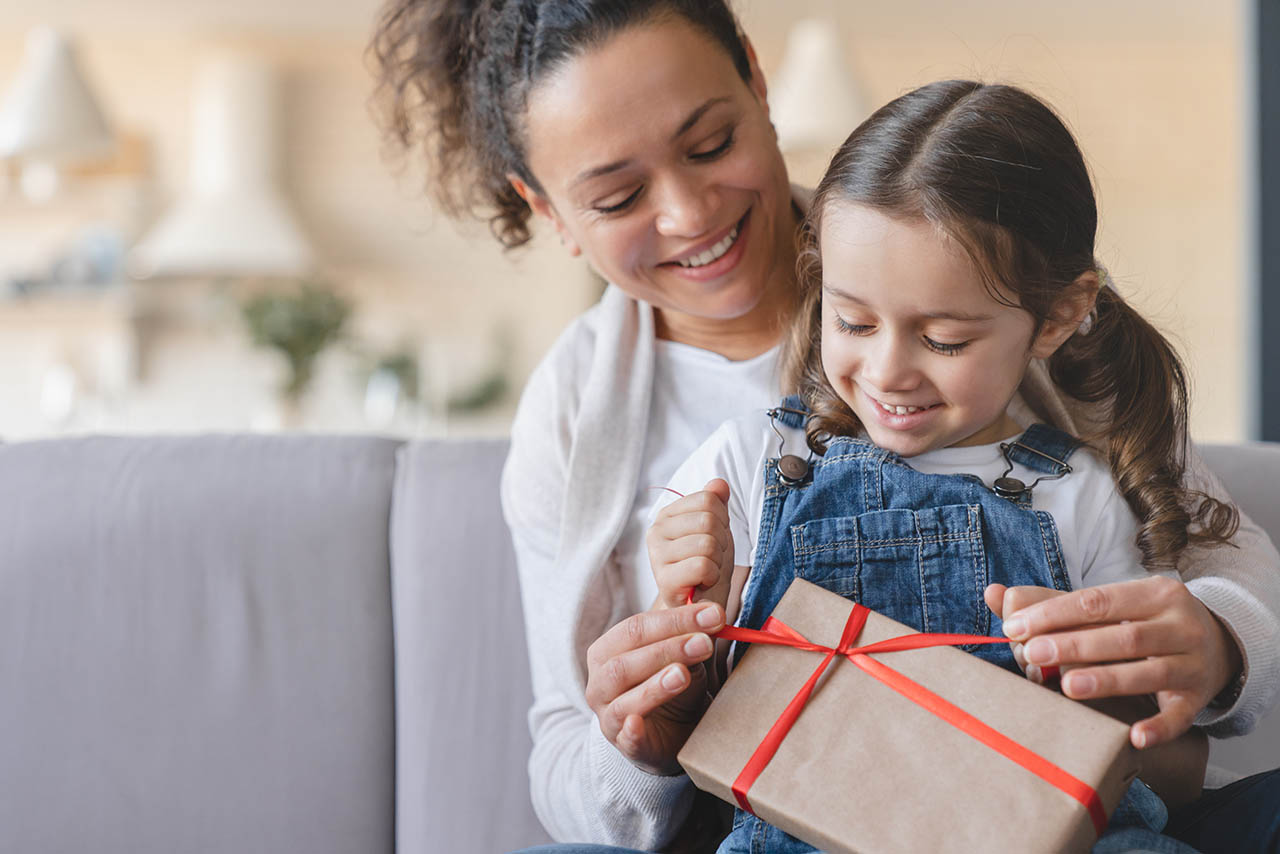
(195, 645)
(462, 669)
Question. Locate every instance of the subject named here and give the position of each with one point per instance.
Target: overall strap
(792, 412)
(1044, 449)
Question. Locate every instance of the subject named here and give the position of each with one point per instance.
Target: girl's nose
(686, 208)
(887, 365)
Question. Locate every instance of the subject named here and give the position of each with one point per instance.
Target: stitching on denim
(1052, 550)
(879, 544)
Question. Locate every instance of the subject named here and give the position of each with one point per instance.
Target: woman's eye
(713, 153)
(852, 328)
(945, 349)
(620, 206)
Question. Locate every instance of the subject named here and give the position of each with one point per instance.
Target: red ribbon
(775, 632)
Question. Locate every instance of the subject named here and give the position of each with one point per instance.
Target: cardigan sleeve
(583, 789)
(1241, 586)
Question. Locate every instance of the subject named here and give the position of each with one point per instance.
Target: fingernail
(1015, 627)
(1041, 651)
(1079, 684)
(708, 618)
(673, 679)
(1139, 738)
(698, 646)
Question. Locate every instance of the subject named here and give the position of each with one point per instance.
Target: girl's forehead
(882, 259)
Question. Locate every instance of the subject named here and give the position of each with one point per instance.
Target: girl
(949, 245)
(639, 131)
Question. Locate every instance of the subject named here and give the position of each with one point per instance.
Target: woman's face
(658, 162)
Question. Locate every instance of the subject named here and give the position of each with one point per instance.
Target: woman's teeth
(704, 258)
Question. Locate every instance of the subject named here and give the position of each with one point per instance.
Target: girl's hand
(646, 683)
(690, 548)
(1148, 636)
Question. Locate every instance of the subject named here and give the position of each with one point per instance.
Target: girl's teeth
(704, 258)
(900, 410)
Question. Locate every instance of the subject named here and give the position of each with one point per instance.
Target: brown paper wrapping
(867, 771)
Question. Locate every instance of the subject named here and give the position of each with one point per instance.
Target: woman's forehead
(636, 91)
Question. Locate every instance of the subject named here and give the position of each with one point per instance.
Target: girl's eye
(720, 149)
(851, 328)
(945, 349)
(620, 206)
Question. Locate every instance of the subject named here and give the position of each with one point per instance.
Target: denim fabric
(919, 549)
(1243, 818)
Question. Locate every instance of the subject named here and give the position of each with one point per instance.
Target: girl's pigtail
(1124, 363)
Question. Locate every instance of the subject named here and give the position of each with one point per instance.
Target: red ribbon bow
(775, 632)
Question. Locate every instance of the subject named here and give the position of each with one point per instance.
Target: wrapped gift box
(865, 769)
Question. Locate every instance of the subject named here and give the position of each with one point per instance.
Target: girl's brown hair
(995, 170)
(454, 78)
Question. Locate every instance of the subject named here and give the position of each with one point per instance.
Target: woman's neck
(760, 328)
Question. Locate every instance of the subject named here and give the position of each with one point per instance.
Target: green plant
(300, 325)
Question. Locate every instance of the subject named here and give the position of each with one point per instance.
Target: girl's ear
(543, 208)
(1068, 312)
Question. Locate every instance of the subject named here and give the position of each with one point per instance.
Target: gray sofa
(302, 644)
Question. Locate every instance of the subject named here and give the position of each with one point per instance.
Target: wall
(1153, 91)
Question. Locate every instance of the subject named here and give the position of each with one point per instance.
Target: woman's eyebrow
(932, 315)
(617, 165)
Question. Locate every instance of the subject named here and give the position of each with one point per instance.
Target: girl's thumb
(719, 488)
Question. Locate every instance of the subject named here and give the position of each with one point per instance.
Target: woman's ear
(1066, 315)
(543, 208)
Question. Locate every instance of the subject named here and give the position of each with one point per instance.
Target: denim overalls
(917, 548)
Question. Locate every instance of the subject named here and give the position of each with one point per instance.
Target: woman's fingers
(1148, 676)
(642, 645)
(1122, 642)
(1106, 603)
(1178, 710)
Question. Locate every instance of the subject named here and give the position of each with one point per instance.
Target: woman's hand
(690, 547)
(1149, 636)
(646, 683)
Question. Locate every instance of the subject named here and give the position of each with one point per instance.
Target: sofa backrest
(1251, 473)
(462, 670)
(196, 645)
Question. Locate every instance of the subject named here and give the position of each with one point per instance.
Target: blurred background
(199, 229)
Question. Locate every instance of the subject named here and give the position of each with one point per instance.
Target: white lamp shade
(50, 112)
(813, 99)
(232, 218)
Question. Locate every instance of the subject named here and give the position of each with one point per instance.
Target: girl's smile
(912, 339)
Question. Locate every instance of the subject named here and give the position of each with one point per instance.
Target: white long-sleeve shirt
(569, 491)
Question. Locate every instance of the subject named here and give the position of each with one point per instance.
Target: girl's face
(660, 165)
(912, 340)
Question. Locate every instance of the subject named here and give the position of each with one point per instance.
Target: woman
(639, 131)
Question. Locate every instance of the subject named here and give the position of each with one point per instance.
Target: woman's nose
(686, 208)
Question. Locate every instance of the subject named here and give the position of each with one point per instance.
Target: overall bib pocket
(926, 568)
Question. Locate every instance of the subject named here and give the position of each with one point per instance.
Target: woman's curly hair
(453, 79)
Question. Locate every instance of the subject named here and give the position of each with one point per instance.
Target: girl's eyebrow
(689, 122)
(932, 315)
